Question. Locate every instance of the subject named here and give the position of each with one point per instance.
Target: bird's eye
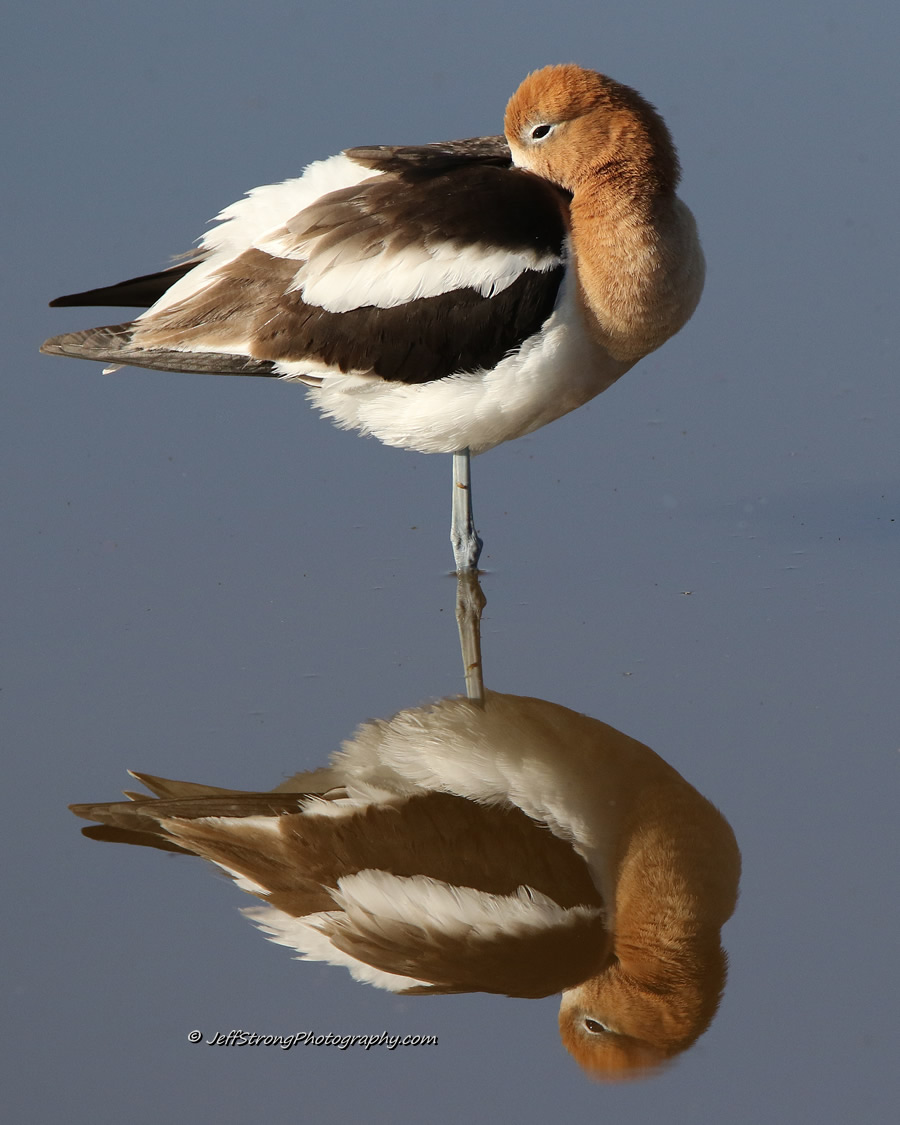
(540, 131)
(595, 1027)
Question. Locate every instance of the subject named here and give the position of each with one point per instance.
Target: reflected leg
(470, 601)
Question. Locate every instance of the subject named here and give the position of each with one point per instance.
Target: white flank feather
(374, 900)
(302, 935)
(264, 210)
(388, 280)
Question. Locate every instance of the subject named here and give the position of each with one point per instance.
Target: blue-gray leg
(463, 536)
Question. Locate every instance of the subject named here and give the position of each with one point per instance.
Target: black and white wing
(406, 264)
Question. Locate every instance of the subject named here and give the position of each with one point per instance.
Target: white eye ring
(595, 1027)
(540, 132)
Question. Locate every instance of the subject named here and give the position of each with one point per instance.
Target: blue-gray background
(204, 580)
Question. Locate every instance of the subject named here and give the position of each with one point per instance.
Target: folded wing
(404, 264)
(429, 892)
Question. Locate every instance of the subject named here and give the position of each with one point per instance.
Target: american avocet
(520, 849)
(444, 298)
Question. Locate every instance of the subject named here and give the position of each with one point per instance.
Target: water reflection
(513, 846)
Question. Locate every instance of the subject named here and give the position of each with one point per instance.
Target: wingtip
(69, 344)
(69, 300)
(86, 812)
(51, 346)
(107, 342)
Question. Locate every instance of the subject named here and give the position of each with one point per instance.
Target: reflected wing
(457, 939)
(429, 892)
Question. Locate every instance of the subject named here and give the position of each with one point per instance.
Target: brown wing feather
(249, 317)
(113, 343)
(438, 835)
(417, 342)
(539, 963)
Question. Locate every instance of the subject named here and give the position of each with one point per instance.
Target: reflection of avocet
(438, 297)
(520, 848)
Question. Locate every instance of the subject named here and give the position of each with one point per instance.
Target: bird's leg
(463, 536)
(470, 601)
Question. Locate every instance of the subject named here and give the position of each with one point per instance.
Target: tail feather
(168, 788)
(112, 343)
(141, 819)
(108, 342)
(126, 822)
(145, 814)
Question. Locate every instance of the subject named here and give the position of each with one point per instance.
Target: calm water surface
(207, 582)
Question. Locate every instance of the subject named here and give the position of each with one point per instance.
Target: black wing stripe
(139, 292)
(423, 340)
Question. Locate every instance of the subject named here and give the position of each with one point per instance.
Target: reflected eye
(595, 1027)
(540, 131)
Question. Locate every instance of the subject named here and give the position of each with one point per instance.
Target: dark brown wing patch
(435, 157)
(471, 206)
(539, 963)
